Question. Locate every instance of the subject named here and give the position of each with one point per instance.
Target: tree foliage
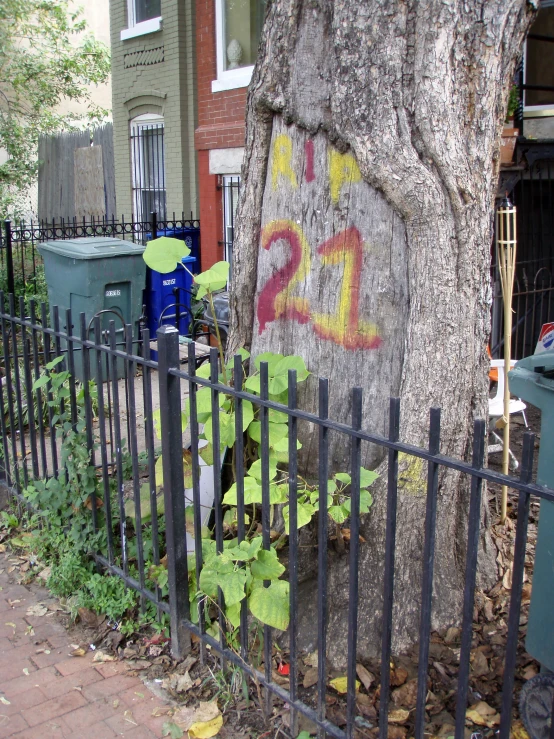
(46, 57)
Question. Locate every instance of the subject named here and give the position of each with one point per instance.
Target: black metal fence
(19, 256)
(130, 388)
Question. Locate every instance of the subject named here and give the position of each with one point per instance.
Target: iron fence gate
(126, 410)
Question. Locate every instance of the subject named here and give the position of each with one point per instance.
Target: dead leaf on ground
(39, 609)
(396, 732)
(311, 659)
(45, 573)
(340, 684)
(178, 683)
(398, 716)
(101, 656)
(518, 731)
(310, 678)
(202, 722)
(406, 695)
(483, 715)
(365, 676)
(79, 652)
(479, 664)
(398, 676)
(90, 618)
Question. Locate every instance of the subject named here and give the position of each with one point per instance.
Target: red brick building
(227, 34)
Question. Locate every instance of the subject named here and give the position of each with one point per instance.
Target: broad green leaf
(277, 432)
(271, 605)
(233, 615)
(41, 382)
(207, 454)
(338, 513)
(252, 492)
(247, 414)
(226, 429)
(294, 362)
(366, 501)
(218, 573)
(283, 445)
(277, 416)
(278, 493)
(204, 371)
(157, 421)
(145, 505)
(244, 355)
(165, 254)
(271, 359)
(159, 472)
(54, 363)
(305, 512)
(343, 477)
(212, 279)
(256, 468)
(367, 477)
(267, 565)
(252, 384)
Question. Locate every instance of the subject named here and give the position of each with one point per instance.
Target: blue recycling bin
(167, 294)
(189, 234)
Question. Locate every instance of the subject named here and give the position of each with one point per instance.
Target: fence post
(154, 222)
(9, 257)
(174, 488)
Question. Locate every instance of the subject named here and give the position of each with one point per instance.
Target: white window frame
(139, 29)
(137, 167)
(536, 111)
(227, 79)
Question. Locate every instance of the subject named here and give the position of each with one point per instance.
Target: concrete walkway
(45, 693)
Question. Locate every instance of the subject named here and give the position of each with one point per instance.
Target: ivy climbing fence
(130, 410)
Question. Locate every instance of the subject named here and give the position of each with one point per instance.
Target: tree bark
(363, 241)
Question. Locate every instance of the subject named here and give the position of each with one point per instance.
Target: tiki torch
(506, 242)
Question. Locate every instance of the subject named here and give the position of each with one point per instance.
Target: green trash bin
(532, 380)
(93, 274)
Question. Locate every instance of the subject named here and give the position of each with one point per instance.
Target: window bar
(49, 396)
(103, 443)
(133, 450)
(266, 536)
(41, 407)
(428, 566)
(239, 466)
(322, 535)
(388, 587)
(514, 615)
(470, 576)
(9, 392)
(149, 440)
(293, 548)
(356, 461)
(88, 413)
(18, 398)
(118, 450)
(26, 344)
(196, 488)
(216, 445)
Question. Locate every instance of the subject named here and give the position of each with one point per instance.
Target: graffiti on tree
(276, 300)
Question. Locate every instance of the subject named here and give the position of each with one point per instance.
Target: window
(539, 64)
(143, 16)
(231, 190)
(148, 167)
(238, 28)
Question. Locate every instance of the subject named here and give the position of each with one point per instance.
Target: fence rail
(19, 257)
(129, 388)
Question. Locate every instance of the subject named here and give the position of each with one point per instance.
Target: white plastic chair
(496, 410)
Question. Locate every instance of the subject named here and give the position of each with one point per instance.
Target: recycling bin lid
(539, 368)
(92, 247)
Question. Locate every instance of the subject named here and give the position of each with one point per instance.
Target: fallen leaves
(365, 676)
(101, 656)
(483, 715)
(39, 609)
(398, 716)
(340, 684)
(202, 722)
(178, 683)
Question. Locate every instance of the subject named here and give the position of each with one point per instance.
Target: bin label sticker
(546, 339)
(167, 283)
(113, 293)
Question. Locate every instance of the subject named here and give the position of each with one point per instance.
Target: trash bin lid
(92, 247)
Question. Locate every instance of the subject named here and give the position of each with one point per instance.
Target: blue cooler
(163, 292)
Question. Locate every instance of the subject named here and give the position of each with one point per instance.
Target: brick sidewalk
(52, 694)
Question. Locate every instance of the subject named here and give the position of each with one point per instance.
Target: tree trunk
(363, 243)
